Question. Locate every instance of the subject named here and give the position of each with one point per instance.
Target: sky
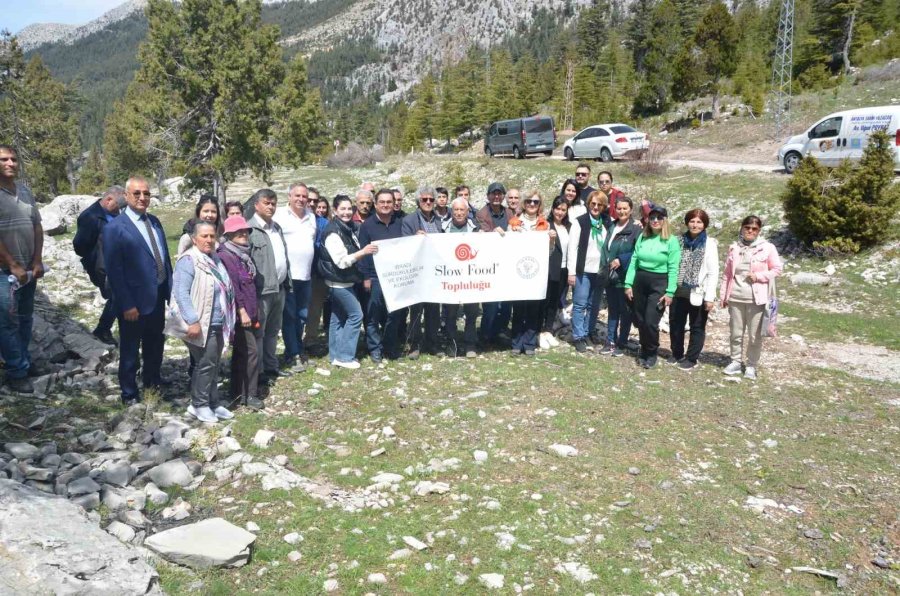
(15, 15)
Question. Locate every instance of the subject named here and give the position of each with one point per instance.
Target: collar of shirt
(134, 215)
(260, 222)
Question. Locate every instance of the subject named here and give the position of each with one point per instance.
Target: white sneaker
(203, 414)
(750, 373)
(544, 341)
(352, 365)
(554, 343)
(733, 368)
(223, 413)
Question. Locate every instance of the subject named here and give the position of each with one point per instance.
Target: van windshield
(621, 129)
(539, 125)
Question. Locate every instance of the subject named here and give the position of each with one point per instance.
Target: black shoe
(128, 402)
(105, 336)
(22, 385)
(297, 365)
(687, 364)
(595, 339)
(254, 403)
(650, 362)
(673, 359)
(377, 359)
(580, 346)
(276, 374)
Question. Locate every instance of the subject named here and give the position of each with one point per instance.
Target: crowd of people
(245, 273)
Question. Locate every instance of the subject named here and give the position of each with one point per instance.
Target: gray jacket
(261, 251)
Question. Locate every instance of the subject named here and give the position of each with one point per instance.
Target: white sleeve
(574, 236)
(338, 252)
(712, 267)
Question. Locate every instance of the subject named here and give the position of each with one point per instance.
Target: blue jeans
(16, 320)
(345, 324)
(382, 327)
(494, 319)
(619, 324)
(585, 304)
(293, 322)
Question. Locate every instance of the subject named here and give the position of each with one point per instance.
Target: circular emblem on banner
(527, 267)
(464, 252)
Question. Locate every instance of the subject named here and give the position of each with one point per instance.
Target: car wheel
(570, 155)
(791, 161)
(488, 151)
(605, 155)
(517, 153)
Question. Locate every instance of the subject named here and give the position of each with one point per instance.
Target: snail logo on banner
(439, 268)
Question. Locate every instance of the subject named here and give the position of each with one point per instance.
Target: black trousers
(648, 288)
(555, 292)
(679, 313)
(141, 342)
(244, 363)
(526, 322)
(425, 314)
(470, 333)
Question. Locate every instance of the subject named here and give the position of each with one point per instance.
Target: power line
(782, 69)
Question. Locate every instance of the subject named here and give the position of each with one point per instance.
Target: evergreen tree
(420, 120)
(664, 33)
(12, 69)
(593, 30)
(297, 116)
(638, 30)
(218, 63)
(92, 176)
(832, 26)
(615, 78)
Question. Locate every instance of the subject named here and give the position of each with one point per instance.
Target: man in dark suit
(87, 245)
(140, 278)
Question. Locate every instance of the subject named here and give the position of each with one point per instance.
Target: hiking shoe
(352, 364)
(733, 368)
(105, 336)
(203, 414)
(687, 365)
(529, 352)
(673, 360)
(650, 362)
(22, 385)
(254, 403)
(223, 413)
(580, 346)
(297, 365)
(606, 350)
(618, 353)
(750, 373)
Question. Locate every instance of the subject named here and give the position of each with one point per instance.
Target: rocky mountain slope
(38, 34)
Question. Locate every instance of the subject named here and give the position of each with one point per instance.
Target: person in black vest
(87, 245)
(586, 241)
(338, 256)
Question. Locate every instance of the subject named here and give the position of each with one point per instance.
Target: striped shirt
(18, 218)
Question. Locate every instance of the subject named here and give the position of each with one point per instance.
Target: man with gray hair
(87, 244)
(365, 199)
(423, 221)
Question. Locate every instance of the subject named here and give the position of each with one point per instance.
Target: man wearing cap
(87, 245)
(494, 216)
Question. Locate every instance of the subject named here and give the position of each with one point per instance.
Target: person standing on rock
(298, 224)
(204, 318)
(140, 280)
(273, 278)
(382, 327)
(88, 246)
(21, 250)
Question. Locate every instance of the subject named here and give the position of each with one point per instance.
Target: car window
(602, 132)
(539, 125)
(586, 134)
(827, 128)
(502, 129)
(621, 129)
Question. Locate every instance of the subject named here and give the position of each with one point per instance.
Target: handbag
(770, 315)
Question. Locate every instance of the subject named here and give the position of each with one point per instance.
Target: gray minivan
(521, 136)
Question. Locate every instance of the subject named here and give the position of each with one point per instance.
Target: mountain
(39, 34)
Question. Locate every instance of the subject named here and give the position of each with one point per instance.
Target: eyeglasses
(137, 193)
(532, 201)
(595, 206)
(426, 199)
(656, 218)
(581, 174)
(751, 228)
(604, 182)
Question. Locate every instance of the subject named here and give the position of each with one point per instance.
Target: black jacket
(88, 246)
(325, 264)
(556, 256)
(585, 222)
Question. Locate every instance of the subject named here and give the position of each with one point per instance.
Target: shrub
(845, 209)
(355, 156)
(651, 163)
(695, 123)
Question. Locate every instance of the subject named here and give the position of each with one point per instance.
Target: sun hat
(235, 223)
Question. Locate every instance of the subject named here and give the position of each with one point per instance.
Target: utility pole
(782, 69)
(569, 108)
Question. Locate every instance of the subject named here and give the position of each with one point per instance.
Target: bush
(695, 123)
(845, 209)
(355, 156)
(651, 163)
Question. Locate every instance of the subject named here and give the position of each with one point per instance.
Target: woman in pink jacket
(752, 264)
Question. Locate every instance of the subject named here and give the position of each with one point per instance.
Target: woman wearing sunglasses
(586, 245)
(527, 315)
(750, 269)
(651, 280)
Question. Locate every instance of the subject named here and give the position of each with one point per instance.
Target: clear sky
(15, 15)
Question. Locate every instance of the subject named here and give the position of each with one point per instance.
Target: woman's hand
(629, 295)
(571, 281)
(708, 306)
(666, 299)
(614, 264)
(245, 318)
(752, 277)
(370, 249)
(552, 236)
(193, 331)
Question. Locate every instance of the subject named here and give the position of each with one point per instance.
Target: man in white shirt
(273, 281)
(298, 227)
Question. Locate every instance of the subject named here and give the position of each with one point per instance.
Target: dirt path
(719, 166)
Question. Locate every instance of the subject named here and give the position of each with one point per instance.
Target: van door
(823, 141)
(502, 143)
(539, 134)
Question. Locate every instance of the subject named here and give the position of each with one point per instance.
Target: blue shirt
(184, 279)
(138, 221)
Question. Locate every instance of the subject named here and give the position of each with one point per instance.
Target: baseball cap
(496, 186)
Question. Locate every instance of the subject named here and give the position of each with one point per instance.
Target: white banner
(463, 268)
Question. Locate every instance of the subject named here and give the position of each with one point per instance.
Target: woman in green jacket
(651, 280)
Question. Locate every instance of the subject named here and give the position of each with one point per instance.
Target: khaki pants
(746, 319)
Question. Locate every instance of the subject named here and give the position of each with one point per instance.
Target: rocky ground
(564, 473)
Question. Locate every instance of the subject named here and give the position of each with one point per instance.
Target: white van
(842, 135)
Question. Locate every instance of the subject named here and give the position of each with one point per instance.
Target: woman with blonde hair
(587, 238)
(526, 314)
(651, 280)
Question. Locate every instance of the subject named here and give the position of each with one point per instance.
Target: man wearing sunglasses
(423, 221)
(139, 274)
(582, 178)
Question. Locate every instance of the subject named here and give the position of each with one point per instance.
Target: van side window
(503, 129)
(827, 128)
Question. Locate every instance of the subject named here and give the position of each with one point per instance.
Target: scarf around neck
(242, 253)
(222, 282)
(693, 252)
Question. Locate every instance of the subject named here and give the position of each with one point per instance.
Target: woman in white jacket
(695, 293)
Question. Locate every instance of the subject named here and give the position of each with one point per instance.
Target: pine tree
(218, 63)
(92, 176)
(638, 30)
(664, 33)
(297, 117)
(831, 28)
(592, 30)
(420, 120)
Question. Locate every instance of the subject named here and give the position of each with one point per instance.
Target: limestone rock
(212, 542)
(22, 451)
(563, 450)
(50, 546)
(263, 438)
(172, 473)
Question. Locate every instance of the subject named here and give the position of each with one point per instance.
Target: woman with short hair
(337, 265)
(651, 280)
(586, 239)
(203, 316)
(695, 294)
(748, 281)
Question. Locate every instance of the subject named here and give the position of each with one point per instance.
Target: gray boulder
(63, 212)
(810, 279)
(212, 542)
(172, 473)
(22, 451)
(50, 546)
